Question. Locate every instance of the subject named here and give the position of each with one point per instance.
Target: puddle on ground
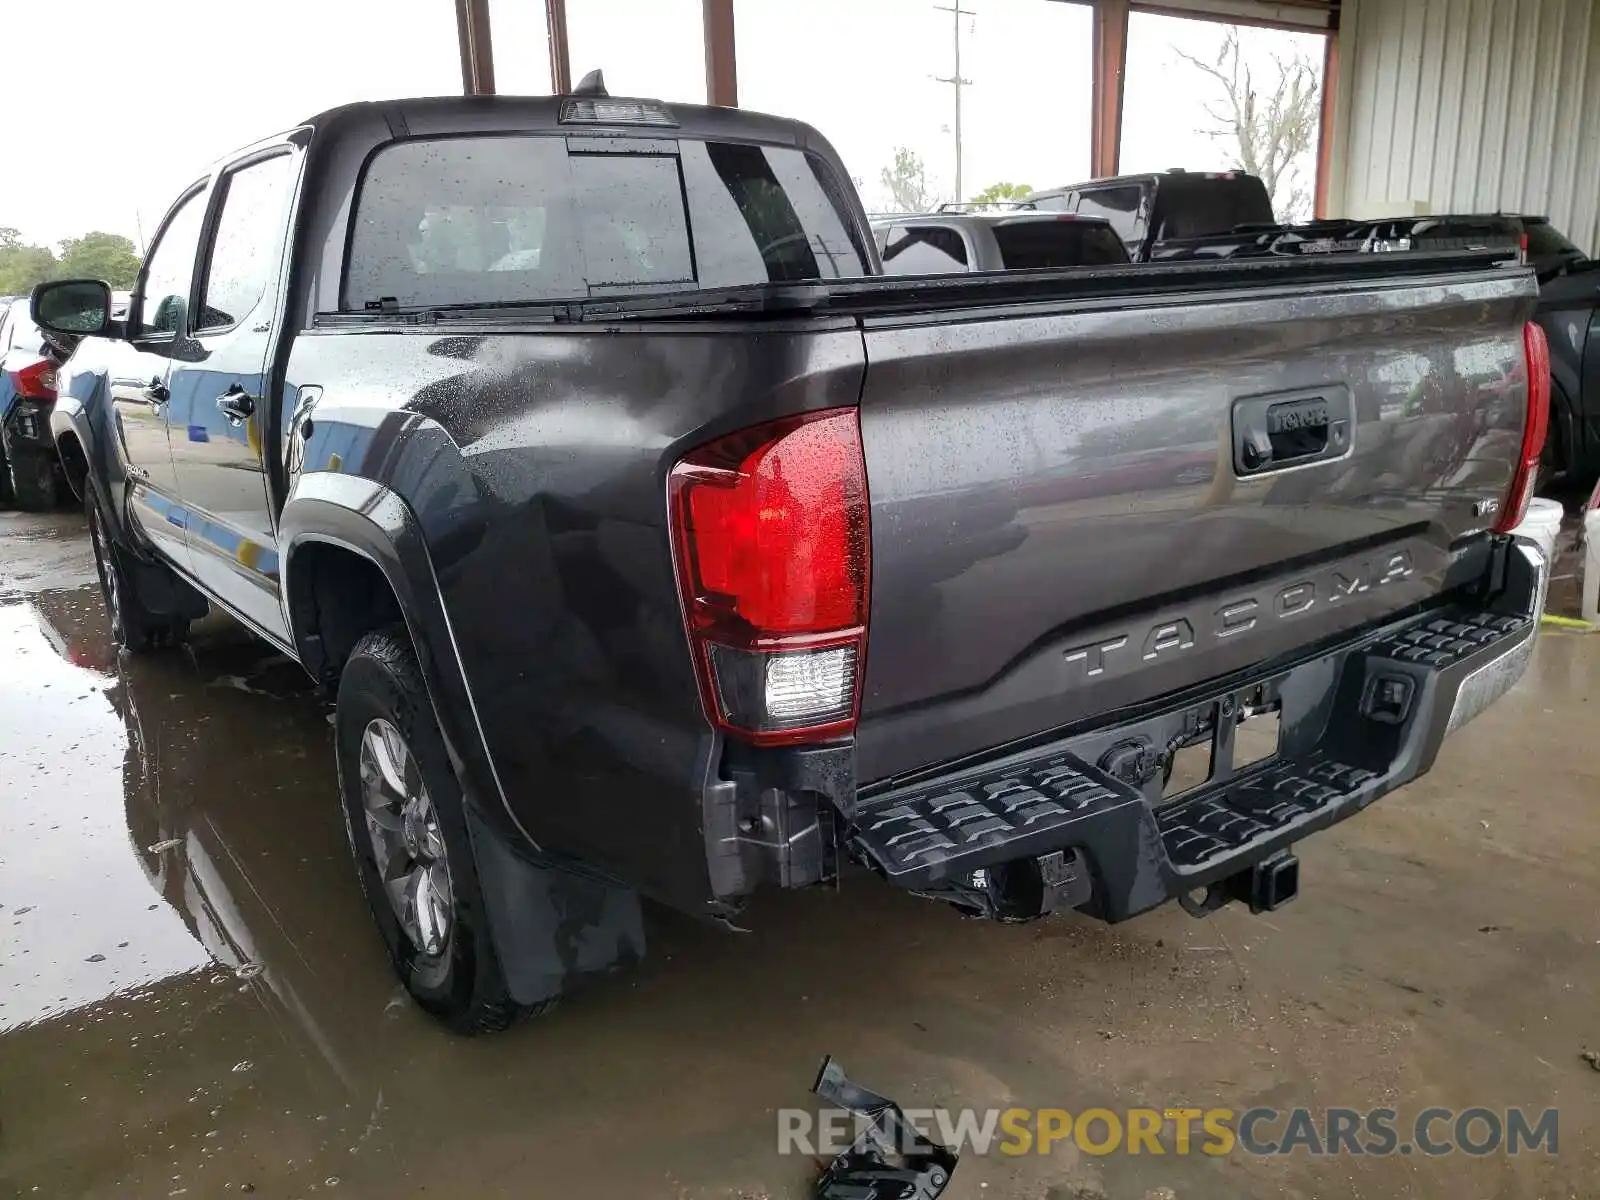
(194, 998)
(193, 1001)
(81, 923)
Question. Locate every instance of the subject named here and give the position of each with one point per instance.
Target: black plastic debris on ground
(890, 1160)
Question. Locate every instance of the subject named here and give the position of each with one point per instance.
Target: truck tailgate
(1082, 506)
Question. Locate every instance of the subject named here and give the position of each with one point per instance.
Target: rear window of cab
(525, 218)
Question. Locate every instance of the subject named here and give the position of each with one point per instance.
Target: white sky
(202, 77)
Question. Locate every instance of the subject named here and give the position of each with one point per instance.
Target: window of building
(655, 49)
(1187, 97)
(867, 76)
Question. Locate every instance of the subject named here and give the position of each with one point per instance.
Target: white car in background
(949, 241)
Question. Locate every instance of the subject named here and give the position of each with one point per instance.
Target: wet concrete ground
(192, 1001)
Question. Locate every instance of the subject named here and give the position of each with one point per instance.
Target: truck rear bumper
(27, 426)
(1080, 823)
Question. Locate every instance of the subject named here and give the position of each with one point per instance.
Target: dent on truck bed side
(533, 464)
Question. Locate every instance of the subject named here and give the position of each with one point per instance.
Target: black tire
(32, 477)
(135, 625)
(461, 984)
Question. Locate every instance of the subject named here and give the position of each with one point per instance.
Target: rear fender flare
(369, 520)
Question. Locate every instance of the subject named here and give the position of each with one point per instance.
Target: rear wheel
(134, 624)
(408, 833)
(33, 479)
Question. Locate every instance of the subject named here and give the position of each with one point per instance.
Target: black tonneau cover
(902, 294)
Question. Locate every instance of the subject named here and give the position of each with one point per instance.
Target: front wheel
(407, 828)
(135, 625)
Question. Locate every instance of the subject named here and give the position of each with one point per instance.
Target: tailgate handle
(1274, 432)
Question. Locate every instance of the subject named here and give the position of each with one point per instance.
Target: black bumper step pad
(1196, 831)
(950, 829)
(946, 828)
(1443, 639)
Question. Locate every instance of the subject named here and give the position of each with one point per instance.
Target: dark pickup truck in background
(1171, 214)
(653, 543)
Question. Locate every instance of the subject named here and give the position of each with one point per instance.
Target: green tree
(907, 182)
(1000, 193)
(22, 265)
(97, 255)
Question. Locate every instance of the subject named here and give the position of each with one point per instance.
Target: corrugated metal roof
(1474, 106)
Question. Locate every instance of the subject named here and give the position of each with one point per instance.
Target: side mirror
(76, 307)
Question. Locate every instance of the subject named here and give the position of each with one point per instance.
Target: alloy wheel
(407, 843)
(106, 566)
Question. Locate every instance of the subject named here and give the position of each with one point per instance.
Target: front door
(218, 385)
(139, 375)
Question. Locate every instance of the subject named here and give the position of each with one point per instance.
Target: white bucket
(1543, 525)
(1591, 567)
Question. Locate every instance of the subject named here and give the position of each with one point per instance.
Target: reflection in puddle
(80, 920)
(177, 904)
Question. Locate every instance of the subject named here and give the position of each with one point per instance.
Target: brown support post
(1110, 63)
(555, 14)
(1325, 135)
(722, 70)
(477, 48)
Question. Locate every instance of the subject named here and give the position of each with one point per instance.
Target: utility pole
(954, 79)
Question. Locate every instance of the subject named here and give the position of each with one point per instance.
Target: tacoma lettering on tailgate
(1174, 635)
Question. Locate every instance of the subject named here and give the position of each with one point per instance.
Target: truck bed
(1060, 526)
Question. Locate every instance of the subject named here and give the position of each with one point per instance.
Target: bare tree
(907, 182)
(1270, 128)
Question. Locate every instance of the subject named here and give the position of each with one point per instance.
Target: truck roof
(1142, 177)
(464, 114)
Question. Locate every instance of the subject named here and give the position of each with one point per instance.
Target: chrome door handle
(236, 404)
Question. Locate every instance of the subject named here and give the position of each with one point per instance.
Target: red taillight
(1526, 477)
(37, 381)
(772, 543)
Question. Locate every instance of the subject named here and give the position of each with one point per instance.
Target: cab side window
(170, 269)
(246, 247)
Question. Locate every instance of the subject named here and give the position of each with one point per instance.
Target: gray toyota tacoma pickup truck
(654, 544)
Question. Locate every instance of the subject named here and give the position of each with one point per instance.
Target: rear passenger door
(219, 390)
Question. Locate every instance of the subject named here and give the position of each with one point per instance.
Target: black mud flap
(552, 928)
(890, 1160)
